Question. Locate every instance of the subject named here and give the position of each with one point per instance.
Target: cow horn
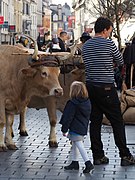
(35, 54)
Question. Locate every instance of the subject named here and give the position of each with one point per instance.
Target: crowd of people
(55, 45)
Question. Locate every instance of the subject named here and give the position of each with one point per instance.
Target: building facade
(60, 16)
(21, 17)
(84, 20)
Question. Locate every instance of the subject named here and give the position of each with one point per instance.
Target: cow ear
(30, 72)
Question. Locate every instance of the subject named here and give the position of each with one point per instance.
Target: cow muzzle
(56, 92)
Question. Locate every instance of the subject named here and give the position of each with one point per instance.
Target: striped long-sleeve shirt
(99, 54)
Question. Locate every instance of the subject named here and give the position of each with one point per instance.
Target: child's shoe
(89, 167)
(73, 166)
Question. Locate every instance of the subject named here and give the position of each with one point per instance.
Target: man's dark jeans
(105, 101)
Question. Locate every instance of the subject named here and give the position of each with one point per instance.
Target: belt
(106, 86)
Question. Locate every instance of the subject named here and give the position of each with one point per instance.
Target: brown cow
(52, 103)
(21, 77)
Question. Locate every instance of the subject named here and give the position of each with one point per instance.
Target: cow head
(42, 74)
(42, 80)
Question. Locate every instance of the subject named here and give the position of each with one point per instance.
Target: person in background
(54, 46)
(24, 41)
(39, 43)
(75, 121)
(98, 54)
(129, 59)
(84, 37)
(62, 38)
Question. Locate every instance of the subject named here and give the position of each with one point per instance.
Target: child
(75, 119)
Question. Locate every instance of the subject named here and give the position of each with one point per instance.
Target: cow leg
(22, 125)
(8, 135)
(2, 124)
(2, 144)
(51, 109)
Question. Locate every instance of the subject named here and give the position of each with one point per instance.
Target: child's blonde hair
(78, 89)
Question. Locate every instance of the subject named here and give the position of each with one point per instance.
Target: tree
(116, 10)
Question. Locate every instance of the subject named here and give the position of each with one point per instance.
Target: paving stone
(34, 160)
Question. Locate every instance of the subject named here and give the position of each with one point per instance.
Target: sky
(69, 2)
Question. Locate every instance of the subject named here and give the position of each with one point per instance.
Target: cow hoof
(53, 144)
(23, 133)
(12, 147)
(3, 149)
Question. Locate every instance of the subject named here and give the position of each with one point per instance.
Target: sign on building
(1, 20)
(11, 28)
(71, 21)
(5, 24)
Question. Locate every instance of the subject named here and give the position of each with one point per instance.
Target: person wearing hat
(84, 37)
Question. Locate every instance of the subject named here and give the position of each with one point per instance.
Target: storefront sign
(11, 28)
(1, 19)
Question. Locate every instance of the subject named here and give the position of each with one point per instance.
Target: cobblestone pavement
(34, 160)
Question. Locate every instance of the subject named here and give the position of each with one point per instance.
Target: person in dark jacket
(62, 39)
(129, 59)
(75, 121)
(39, 42)
(129, 53)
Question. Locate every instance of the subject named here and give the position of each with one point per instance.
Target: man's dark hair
(101, 24)
(63, 33)
(55, 40)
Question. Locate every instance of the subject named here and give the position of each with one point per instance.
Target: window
(55, 17)
(27, 9)
(0, 7)
(23, 8)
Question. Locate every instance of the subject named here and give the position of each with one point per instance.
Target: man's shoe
(73, 166)
(103, 160)
(89, 167)
(127, 161)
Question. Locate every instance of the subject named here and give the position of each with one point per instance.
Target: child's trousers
(78, 146)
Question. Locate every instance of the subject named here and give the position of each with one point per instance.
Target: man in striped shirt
(99, 54)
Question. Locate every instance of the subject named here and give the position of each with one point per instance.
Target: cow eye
(44, 74)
